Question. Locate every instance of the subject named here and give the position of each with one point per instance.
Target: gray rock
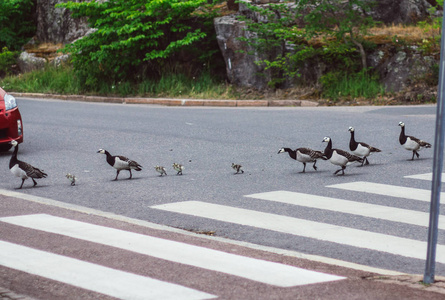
(399, 71)
(240, 67)
(400, 11)
(60, 60)
(56, 25)
(28, 62)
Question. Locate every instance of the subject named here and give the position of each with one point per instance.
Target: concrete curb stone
(171, 101)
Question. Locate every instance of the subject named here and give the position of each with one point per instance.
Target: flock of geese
(360, 152)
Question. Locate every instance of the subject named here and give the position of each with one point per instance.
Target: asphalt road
(63, 137)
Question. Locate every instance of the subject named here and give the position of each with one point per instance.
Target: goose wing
(312, 153)
(31, 171)
(372, 149)
(420, 142)
(349, 156)
(125, 162)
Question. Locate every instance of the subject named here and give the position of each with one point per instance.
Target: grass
(63, 81)
(358, 85)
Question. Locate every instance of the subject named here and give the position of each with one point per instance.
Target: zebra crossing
(346, 236)
(123, 284)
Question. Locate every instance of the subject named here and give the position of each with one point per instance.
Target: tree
(133, 37)
(332, 29)
(16, 23)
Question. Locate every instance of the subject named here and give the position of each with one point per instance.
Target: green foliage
(7, 60)
(135, 39)
(58, 80)
(432, 25)
(16, 25)
(363, 84)
(62, 80)
(331, 30)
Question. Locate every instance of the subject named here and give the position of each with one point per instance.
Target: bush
(135, 39)
(7, 60)
(16, 25)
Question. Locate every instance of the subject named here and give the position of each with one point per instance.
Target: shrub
(7, 60)
(16, 25)
(135, 39)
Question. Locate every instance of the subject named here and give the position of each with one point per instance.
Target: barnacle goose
(178, 168)
(304, 155)
(237, 168)
(161, 170)
(120, 163)
(361, 149)
(339, 157)
(411, 143)
(72, 178)
(22, 169)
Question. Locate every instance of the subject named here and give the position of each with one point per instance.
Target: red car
(11, 127)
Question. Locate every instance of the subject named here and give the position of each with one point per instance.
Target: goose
(161, 170)
(22, 169)
(237, 168)
(120, 163)
(178, 168)
(304, 155)
(411, 143)
(339, 157)
(361, 149)
(72, 178)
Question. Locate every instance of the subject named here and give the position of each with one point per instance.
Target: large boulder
(56, 25)
(401, 11)
(240, 67)
(28, 62)
(402, 68)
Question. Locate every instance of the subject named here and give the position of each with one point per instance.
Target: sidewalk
(172, 102)
(359, 282)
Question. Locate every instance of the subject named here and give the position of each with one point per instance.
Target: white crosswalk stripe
(349, 207)
(426, 176)
(327, 232)
(310, 229)
(237, 265)
(386, 190)
(115, 283)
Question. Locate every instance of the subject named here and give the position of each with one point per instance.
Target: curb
(172, 101)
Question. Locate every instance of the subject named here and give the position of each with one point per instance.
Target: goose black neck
(402, 137)
(13, 160)
(328, 149)
(292, 153)
(352, 142)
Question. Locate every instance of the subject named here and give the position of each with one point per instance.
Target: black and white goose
(339, 157)
(361, 149)
(411, 143)
(304, 155)
(22, 169)
(120, 163)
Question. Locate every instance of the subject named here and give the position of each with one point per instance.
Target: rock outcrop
(56, 25)
(397, 70)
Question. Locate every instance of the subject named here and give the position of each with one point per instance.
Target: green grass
(50, 80)
(63, 81)
(359, 85)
